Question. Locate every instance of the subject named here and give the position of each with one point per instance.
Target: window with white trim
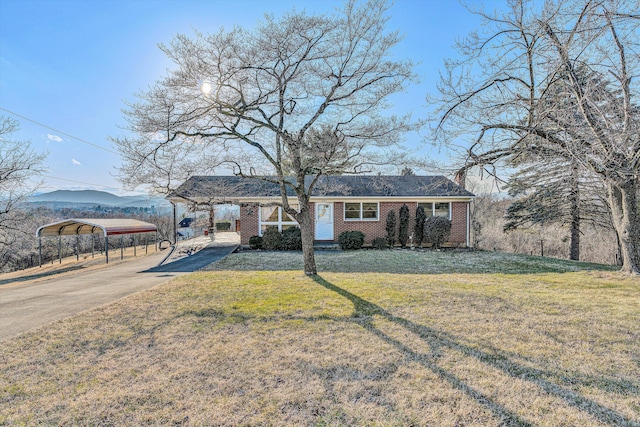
(361, 211)
(275, 216)
(436, 209)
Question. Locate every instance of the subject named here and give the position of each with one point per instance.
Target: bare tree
(292, 100)
(163, 164)
(18, 164)
(500, 92)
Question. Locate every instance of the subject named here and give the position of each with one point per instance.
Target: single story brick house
(338, 203)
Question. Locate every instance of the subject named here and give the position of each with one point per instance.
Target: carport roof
(103, 226)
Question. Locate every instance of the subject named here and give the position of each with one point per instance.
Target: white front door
(324, 221)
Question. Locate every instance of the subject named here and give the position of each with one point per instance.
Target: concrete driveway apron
(26, 306)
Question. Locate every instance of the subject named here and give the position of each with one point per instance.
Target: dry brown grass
(279, 348)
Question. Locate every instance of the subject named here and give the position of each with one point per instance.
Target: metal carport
(94, 226)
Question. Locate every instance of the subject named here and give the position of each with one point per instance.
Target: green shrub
(272, 239)
(436, 230)
(255, 242)
(379, 243)
(392, 224)
(223, 226)
(291, 239)
(403, 228)
(351, 240)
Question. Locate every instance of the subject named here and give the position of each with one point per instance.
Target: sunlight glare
(206, 88)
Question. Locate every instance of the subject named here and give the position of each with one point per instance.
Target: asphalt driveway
(27, 306)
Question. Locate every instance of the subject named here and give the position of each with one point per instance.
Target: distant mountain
(94, 197)
(80, 196)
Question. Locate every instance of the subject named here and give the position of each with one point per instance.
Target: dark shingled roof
(231, 187)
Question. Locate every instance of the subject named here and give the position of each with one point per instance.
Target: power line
(59, 131)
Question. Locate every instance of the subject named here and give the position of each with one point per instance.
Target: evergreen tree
(391, 228)
(563, 191)
(418, 231)
(403, 229)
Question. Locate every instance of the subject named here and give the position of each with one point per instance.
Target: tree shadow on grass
(364, 309)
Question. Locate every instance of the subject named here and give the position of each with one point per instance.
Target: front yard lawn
(484, 339)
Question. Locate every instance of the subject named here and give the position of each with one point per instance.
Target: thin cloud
(75, 162)
(55, 138)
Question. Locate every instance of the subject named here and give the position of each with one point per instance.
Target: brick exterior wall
(249, 223)
(373, 229)
(459, 221)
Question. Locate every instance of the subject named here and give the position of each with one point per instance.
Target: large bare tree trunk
(626, 223)
(574, 206)
(306, 231)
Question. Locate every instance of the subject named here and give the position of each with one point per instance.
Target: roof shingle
(231, 187)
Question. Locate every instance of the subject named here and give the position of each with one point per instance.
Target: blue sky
(70, 65)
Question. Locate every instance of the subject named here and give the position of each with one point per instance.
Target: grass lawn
(379, 338)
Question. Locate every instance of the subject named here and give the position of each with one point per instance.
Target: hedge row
(273, 240)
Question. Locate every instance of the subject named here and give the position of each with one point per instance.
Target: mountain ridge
(97, 197)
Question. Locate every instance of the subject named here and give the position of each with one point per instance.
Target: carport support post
(175, 224)
(106, 247)
(77, 247)
(121, 247)
(146, 243)
(93, 245)
(135, 245)
(60, 248)
(40, 250)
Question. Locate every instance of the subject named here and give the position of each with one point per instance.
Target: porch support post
(468, 223)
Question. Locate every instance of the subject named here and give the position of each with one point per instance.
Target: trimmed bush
(223, 226)
(379, 243)
(403, 228)
(351, 240)
(291, 239)
(272, 239)
(436, 230)
(255, 242)
(392, 224)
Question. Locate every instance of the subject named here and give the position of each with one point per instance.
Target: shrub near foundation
(437, 230)
(272, 239)
(379, 243)
(291, 239)
(255, 242)
(351, 240)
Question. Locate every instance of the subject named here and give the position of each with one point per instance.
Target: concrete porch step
(326, 246)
